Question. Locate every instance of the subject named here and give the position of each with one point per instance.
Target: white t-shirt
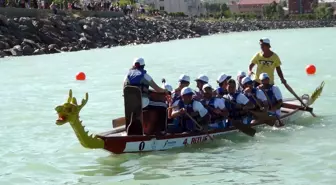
(261, 95)
(278, 96)
(146, 76)
(277, 92)
(197, 106)
(218, 103)
(241, 98)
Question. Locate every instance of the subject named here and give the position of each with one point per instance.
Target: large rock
(27, 50)
(3, 20)
(4, 45)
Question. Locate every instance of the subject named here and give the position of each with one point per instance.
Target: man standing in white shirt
(186, 107)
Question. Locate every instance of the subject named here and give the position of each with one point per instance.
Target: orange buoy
(310, 69)
(80, 76)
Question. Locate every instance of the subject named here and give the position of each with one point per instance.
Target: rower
(237, 103)
(215, 107)
(188, 106)
(184, 81)
(240, 76)
(254, 94)
(272, 93)
(267, 61)
(137, 76)
(200, 81)
(222, 83)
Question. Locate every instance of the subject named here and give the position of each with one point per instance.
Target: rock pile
(32, 36)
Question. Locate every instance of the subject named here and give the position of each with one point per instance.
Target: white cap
(245, 80)
(141, 61)
(265, 40)
(186, 90)
(206, 86)
(262, 76)
(223, 77)
(241, 74)
(202, 78)
(184, 77)
(167, 87)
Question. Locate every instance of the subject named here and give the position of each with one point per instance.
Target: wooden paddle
(192, 119)
(258, 115)
(118, 122)
(275, 115)
(289, 88)
(268, 123)
(241, 126)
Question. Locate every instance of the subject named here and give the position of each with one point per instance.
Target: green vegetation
(273, 11)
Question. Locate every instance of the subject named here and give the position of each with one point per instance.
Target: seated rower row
(218, 112)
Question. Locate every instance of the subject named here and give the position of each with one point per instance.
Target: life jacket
(240, 89)
(270, 95)
(221, 92)
(187, 123)
(233, 112)
(176, 96)
(136, 78)
(253, 93)
(214, 117)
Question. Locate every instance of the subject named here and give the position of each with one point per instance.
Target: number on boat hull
(141, 146)
(185, 142)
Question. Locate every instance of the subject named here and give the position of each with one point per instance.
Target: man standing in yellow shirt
(267, 61)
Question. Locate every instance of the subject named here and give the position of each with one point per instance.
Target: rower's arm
(278, 104)
(265, 105)
(249, 105)
(156, 87)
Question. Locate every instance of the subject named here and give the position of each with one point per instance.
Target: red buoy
(310, 69)
(80, 76)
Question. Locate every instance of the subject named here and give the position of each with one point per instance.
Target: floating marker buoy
(80, 76)
(310, 69)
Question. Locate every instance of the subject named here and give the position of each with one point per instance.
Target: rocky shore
(53, 34)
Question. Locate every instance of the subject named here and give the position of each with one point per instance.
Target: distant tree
(273, 11)
(284, 4)
(324, 11)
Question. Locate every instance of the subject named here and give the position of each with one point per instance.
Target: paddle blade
(244, 128)
(316, 93)
(119, 122)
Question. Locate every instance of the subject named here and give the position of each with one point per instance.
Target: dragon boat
(136, 131)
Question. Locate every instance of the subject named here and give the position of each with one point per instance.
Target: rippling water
(36, 151)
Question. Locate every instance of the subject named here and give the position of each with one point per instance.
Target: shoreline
(26, 36)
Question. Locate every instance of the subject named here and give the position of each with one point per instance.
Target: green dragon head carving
(69, 113)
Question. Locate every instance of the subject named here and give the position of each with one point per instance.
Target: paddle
(118, 122)
(289, 88)
(241, 126)
(277, 117)
(201, 128)
(258, 115)
(270, 124)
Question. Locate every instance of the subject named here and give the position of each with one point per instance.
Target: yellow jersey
(265, 65)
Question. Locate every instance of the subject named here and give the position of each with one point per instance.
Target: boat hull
(118, 142)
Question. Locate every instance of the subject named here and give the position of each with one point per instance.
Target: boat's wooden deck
(120, 131)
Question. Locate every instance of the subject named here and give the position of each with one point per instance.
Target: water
(36, 151)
